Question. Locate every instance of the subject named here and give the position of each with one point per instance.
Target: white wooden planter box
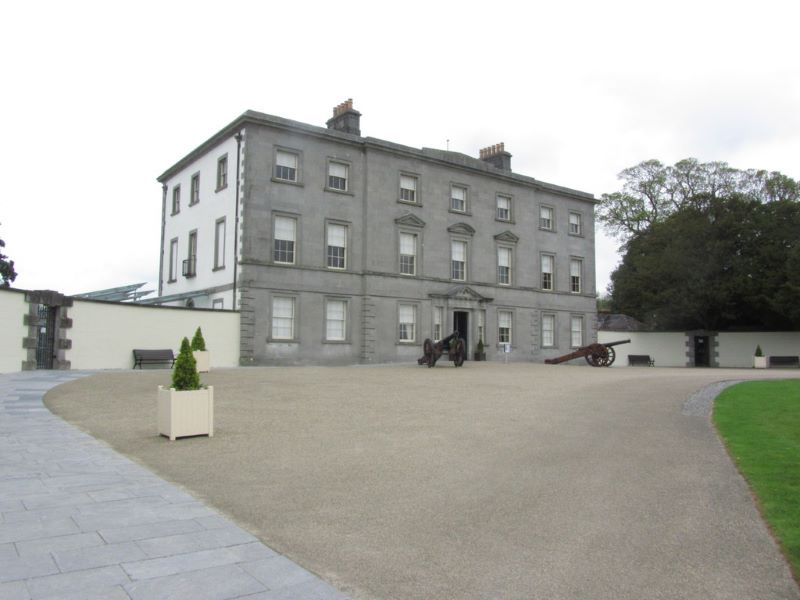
(760, 362)
(185, 413)
(203, 360)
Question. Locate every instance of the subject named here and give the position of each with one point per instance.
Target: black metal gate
(701, 351)
(46, 340)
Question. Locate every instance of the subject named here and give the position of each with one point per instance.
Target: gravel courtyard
(511, 481)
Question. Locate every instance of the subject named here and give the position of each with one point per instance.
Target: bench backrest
(154, 354)
(784, 361)
(642, 359)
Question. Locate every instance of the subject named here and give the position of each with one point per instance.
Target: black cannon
(597, 355)
(455, 346)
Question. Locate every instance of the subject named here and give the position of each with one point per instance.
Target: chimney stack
(496, 156)
(345, 118)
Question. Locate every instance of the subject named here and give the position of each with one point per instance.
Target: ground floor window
(576, 331)
(548, 331)
(504, 326)
(438, 317)
(283, 314)
(407, 320)
(336, 320)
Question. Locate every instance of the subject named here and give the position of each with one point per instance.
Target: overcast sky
(99, 98)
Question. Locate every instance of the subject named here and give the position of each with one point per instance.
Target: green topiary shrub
(758, 350)
(198, 343)
(184, 375)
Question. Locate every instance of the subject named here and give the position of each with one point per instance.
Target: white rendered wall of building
(731, 349)
(667, 349)
(207, 300)
(737, 349)
(104, 334)
(202, 217)
(13, 308)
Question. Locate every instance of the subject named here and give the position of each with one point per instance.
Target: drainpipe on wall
(163, 226)
(238, 137)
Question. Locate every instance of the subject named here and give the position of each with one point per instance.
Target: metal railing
(190, 267)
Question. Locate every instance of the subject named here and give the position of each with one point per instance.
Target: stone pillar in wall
(536, 342)
(368, 333)
(247, 326)
(592, 327)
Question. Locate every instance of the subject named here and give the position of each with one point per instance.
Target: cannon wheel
(611, 356)
(599, 355)
(459, 352)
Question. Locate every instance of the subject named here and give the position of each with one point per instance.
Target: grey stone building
(339, 248)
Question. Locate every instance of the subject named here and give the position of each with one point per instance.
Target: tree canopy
(652, 191)
(7, 272)
(716, 262)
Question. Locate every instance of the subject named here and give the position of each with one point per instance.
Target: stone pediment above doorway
(462, 229)
(462, 292)
(409, 220)
(507, 236)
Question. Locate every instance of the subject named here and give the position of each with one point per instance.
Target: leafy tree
(777, 259)
(715, 263)
(7, 272)
(652, 191)
(185, 375)
(789, 296)
(639, 204)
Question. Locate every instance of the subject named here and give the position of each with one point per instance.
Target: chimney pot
(496, 156)
(345, 118)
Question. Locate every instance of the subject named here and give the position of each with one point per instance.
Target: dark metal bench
(640, 360)
(152, 357)
(783, 361)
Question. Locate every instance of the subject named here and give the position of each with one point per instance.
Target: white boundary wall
(736, 349)
(13, 309)
(104, 334)
(667, 349)
(731, 349)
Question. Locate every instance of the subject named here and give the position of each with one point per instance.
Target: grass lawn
(760, 423)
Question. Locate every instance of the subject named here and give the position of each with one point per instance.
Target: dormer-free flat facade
(337, 248)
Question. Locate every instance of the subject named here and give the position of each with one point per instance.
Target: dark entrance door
(701, 351)
(46, 339)
(461, 324)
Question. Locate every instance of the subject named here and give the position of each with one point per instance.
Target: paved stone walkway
(78, 520)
